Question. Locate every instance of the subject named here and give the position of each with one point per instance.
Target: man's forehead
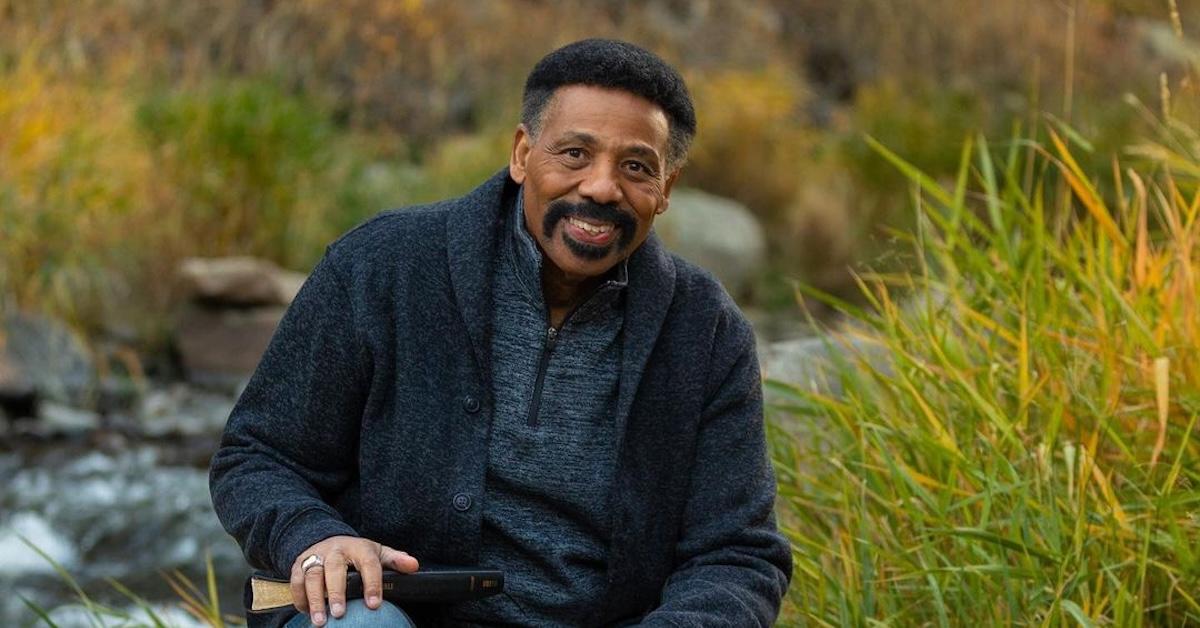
(588, 113)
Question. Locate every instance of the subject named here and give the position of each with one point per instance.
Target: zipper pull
(551, 337)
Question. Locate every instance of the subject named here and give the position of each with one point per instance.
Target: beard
(562, 209)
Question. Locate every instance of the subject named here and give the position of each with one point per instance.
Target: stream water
(110, 505)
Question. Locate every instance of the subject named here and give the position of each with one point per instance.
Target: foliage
(250, 160)
(753, 138)
(1023, 451)
(106, 186)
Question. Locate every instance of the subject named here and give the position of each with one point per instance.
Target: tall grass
(1024, 453)
(203, 606)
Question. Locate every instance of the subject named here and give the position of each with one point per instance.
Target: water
(129, 508)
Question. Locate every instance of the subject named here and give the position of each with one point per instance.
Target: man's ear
(667, 189)
(522, 145)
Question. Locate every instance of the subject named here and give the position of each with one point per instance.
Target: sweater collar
(471, 246)
(526, 258)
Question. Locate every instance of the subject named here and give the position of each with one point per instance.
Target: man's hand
(310, 588)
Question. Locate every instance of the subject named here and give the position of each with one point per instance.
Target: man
(522, 379)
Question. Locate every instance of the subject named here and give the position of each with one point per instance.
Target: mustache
(561, 209)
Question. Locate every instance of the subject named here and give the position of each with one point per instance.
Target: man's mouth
(590, 230)
(594, 228)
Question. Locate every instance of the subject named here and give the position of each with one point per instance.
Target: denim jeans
(357, 615)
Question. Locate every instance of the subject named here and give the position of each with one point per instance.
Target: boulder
(42, 358)
(221, 347)
(238, 282)
(18, 397)
(717, 234)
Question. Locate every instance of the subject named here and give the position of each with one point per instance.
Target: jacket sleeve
(291, 441)
(732, 565)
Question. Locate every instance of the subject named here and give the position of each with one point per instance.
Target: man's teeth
(590, 228)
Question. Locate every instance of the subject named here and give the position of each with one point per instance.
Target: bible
(429, 585)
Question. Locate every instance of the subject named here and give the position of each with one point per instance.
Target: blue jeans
(357, 615)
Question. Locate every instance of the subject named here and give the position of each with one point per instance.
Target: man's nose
(601, 184)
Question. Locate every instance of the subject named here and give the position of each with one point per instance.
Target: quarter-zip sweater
(552, 452)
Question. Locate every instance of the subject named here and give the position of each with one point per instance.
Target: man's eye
(574, 153)
(638, 167)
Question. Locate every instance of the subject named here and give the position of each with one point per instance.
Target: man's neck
(563, 292)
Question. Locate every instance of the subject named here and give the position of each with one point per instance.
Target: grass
(1024, 453)
(203, 605)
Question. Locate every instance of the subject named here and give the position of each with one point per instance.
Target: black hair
(618, 65)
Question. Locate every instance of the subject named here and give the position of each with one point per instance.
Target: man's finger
(335, 584)
(398, 560)
(296, 582)
(314, 591)
(367, 563)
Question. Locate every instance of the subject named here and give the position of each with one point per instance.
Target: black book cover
(430, 585)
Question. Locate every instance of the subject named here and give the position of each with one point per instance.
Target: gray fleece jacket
(371, 413)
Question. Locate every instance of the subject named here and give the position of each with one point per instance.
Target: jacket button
(470, 404)
(462, 502)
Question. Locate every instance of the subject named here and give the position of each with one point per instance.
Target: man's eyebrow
(577, 136)
(639, 150)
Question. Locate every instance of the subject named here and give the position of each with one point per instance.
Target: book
(431, 585)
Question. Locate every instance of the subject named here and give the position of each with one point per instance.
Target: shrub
(106, 188)
(752, 140)
(250, 162)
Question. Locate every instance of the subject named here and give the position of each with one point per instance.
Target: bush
(105, 189)
(250, 162)
(752, 142)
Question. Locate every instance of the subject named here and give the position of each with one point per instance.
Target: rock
(56, 419)
(239, 281)
(26, 531)
(183, 411)
(809, 363)
(1159, 39)
(42, 358)
(18, 397)
(221, 347)
(717, 234)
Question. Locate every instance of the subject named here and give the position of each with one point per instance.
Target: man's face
(595, 177)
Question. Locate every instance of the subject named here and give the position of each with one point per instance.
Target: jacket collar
(473, 229)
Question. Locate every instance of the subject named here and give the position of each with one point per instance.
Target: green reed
(1017, 448)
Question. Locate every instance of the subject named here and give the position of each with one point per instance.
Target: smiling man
(521, 379)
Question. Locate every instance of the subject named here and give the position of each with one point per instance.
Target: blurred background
(170, 170)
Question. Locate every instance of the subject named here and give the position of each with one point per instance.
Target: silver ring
(310, 562)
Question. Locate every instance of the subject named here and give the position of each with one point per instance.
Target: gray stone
(24, 532)
(43, 356)
(809, 364)
(56, 419)
(1159, 39)
(222, 347)
(717, 234)
(238, 281)
(18, 397)
(183, 411)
